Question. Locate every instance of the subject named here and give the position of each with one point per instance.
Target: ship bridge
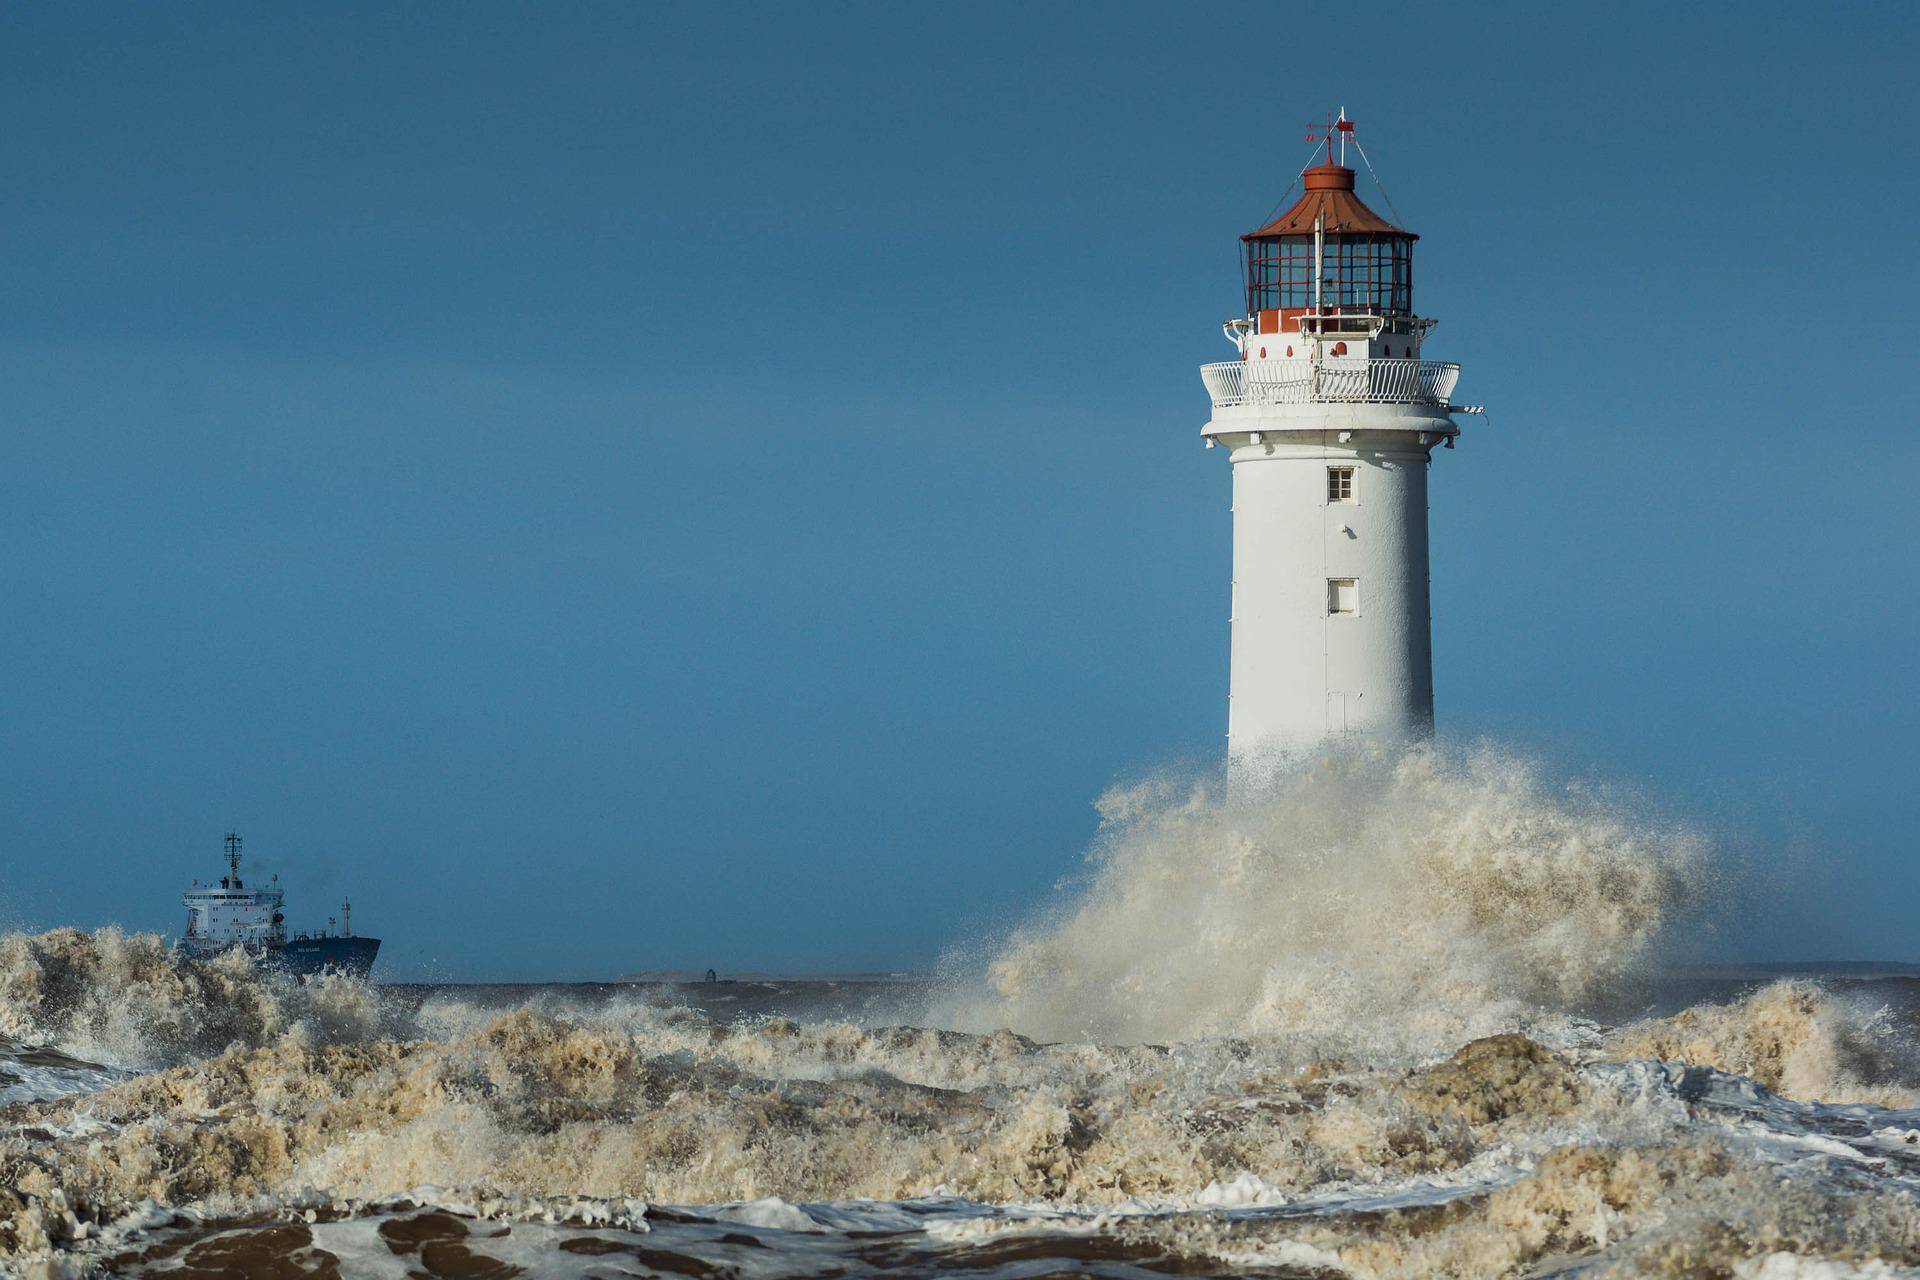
(229, 913)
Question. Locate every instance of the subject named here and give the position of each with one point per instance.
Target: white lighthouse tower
(1331, 416)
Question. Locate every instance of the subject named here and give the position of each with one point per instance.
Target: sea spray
(1372, 901)
(128, 1000)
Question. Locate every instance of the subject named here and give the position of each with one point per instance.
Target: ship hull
(307, 956)
(304, 957)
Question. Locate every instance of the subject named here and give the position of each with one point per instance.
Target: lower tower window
(1343, 595)
(1339, 484)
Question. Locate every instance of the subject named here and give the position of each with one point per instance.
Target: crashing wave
(1383, 903)
(1792, 1037)
(131, 1001)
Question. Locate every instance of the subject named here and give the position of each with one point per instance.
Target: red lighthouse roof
(1329, 198)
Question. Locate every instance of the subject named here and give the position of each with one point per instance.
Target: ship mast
(233, 858)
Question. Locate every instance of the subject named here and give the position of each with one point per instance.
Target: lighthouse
(1330, 415)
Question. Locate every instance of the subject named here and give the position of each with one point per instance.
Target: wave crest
(1793, 1037)
(129, 1000)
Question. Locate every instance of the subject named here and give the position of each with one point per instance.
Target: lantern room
(1330, 265)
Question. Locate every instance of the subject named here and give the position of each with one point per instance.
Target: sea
(1396, 1014)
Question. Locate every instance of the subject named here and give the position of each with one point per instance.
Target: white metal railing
(1335, 381)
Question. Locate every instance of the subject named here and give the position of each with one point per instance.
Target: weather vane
(1333, 127)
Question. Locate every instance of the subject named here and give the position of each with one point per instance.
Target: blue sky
(615, 486)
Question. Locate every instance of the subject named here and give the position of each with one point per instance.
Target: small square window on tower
(1343, 595)
(1339, 484)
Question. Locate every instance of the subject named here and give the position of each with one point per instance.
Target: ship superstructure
(1331, 413)
(231, 915)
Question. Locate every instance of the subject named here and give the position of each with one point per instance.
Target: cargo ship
(228, 915)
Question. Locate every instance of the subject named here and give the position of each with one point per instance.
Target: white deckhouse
(1331, 416)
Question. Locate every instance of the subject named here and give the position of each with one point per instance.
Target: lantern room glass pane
(1369, 273)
